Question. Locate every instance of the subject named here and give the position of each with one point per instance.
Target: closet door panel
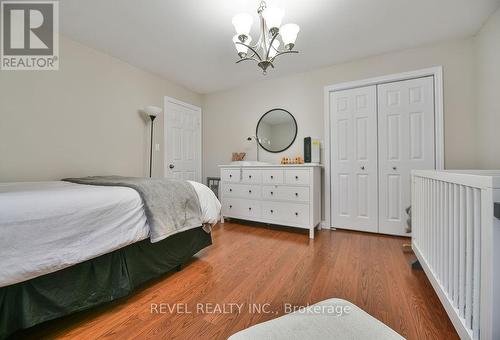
(354, 159)
(406, 142)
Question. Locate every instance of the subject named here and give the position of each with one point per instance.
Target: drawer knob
(272, 176)
(249, 191)
(249, 208)
(272, 211)
(230, 176)
(296, 214)
(272, 193)
(230, 189)
(296, 177)
(249, 176)
(230, 206)
(296, 194)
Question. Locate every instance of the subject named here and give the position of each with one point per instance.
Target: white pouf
(329, 319)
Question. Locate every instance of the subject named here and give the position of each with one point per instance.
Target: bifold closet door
(354, 158)
(406, 142)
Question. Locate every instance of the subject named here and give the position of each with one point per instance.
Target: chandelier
(269, 46)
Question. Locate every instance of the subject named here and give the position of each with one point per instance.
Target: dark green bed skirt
(95, 281)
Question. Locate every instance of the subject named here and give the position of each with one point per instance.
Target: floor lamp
(152, 112)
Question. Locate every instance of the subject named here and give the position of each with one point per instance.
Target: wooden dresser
(278, 194)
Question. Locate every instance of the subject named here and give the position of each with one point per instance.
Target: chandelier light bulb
(288, 34)
(242, 23)
(273, 18)
(241, 49)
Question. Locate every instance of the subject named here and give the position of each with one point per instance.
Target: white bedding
(48, 226)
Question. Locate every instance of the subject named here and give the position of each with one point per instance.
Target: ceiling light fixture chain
(272, 36)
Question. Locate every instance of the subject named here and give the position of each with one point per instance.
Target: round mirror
(276, 130)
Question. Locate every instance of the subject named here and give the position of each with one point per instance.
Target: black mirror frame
(294, 137)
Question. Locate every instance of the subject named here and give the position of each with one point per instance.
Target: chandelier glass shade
(274, 39)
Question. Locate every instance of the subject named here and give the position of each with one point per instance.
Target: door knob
(171, 166)
(363, 167)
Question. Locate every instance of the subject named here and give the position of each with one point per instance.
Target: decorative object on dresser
(311, 150)
(238, 156)
(292, 160)
(287, 195)
(152, 112)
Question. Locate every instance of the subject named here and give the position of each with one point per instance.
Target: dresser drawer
(274, 211)
(297, 176)
(246, 191)
(286, 213)
(272, 176)
(230, 175)
(271, 192)
(232, 207)
(252, 209)
(295, 194)
(298, 214)
(285, 193)
(236, 207)
(251, 175)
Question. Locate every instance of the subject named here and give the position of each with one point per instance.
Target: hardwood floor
(249, 264)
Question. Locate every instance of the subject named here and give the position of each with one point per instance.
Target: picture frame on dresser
(288, 195)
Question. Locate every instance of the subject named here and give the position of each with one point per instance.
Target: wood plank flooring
(255, 264)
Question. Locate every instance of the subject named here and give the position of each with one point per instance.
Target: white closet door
(182, 141)
(354, 158)
(406, 142)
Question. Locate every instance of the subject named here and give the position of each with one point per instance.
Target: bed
(66, 247)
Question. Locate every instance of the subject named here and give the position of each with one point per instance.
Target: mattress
(48, 226)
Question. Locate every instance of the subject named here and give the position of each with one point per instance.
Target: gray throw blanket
(171, 205)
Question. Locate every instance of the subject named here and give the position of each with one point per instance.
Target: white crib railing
(456, 239)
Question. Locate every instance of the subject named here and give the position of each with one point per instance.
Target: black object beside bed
(94, 282)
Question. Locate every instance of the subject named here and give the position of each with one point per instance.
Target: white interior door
(406, 142)
(354, 158)
(182, 140)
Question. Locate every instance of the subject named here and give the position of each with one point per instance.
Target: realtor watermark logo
(29, 35)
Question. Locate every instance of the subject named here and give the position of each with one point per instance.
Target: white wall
(81, 120)
(231, 116)
(488, 93)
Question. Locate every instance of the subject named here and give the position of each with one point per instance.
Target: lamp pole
(152, 117)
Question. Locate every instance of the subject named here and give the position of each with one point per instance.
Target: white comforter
(48, 226)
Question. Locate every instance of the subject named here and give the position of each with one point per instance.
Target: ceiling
(189, 41)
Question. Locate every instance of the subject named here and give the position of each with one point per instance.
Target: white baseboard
(325, 225)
